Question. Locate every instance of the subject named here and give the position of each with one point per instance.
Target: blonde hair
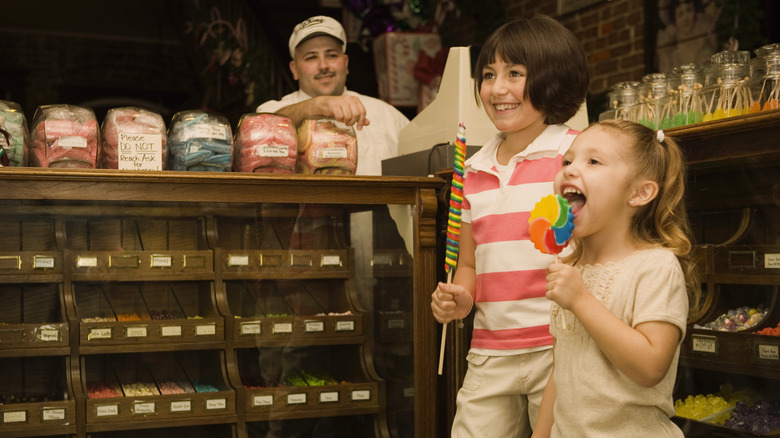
(664, 220)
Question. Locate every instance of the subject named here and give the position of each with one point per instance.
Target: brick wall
(612, 33)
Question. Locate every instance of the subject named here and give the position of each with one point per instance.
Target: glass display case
(236, 305)
(729, 372)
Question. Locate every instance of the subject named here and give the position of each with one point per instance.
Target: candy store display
(653, 88)
(13, 149)
(326, 147)
(133, 139)
(770, 331)
(200, 141)
(765, 89)
(305, 378)
(761, 417)
(684, 104)
(739, 319)
(265, 143)
(103, 390)
(728, 94)
(65, 136)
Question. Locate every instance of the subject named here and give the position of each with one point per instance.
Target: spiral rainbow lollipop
(453, 221)
(456, 202)
(551, 224)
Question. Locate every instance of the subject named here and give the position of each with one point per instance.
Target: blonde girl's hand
(450, 301)
(565, 285)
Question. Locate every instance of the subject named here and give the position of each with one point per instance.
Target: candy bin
(613, 98)
(64, 136)
(728, 95)
(133, 139)
(765, 90)
(200, 141)
(265, 143)
(326, 147)
(628, 97)
(654, 86)
(13, 150)
(684, 105)
(758, 64)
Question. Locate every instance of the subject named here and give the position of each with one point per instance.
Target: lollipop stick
(563, 317)
(444, 333)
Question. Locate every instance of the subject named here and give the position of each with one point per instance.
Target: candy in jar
(326, 147)
(133, 139)
(64, 136)
(13, 150)
(265, 143)
(200, 141)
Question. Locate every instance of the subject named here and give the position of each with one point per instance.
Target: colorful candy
(456, 201)
(551, 224)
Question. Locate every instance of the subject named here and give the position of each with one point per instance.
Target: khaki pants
(501, 395)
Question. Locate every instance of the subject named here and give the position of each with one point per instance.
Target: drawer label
(99, 333)
(262, 400)
(86, 262)
(251, 328)
(704, 344)
(139, 331)
(296, 399)
(170, 330)
(48, 334)
(15, 417)
(214, 404)
(181, 406)
(238, 260)
(143, 408)
(283, 328)
(205, 330)
(161, 261)
(345, 326)
(314, 326)
(43, 262)
(361, 394)
(396, 324)
(329, 397)
(330, 260)
(107, 410)
(53, 414)
(772, 261)
(769, 352)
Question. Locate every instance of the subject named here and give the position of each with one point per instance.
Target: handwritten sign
(140, 151)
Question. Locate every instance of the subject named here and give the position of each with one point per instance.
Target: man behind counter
(320, 65)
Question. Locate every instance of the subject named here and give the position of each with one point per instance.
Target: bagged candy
(13, 150)
(326, 147)
(133, 139)
(64, 136)
(200, 141)
(265, 143)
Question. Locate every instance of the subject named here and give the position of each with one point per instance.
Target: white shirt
(376, 142)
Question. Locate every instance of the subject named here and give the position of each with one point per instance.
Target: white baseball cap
(316, 26)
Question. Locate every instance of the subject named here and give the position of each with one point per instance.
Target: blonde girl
(625, 290)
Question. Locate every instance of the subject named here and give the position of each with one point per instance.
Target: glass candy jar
(758, 64)
(684, 105)
(654, 86)
(765, 89)
(13, 149)
(728, 94)
(628, 97)
(613, 98)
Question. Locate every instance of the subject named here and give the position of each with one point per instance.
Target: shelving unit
(215, 305)
(733, 202)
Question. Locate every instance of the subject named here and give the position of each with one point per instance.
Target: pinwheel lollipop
(550, 226)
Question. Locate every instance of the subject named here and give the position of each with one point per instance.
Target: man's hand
(346, 109)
